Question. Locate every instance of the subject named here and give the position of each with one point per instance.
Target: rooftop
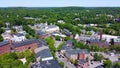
(46, 64)
(72, 51)
(44, 54)
(51, 26)
(19, 34)
(69, 42)
(25, 42)
(40, 33)
(5, 42)
(42, 43)
(66, 47)
(82, 61)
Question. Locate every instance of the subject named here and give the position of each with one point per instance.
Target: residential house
(109, 37)
(69, 43)
(61, 21)
(18, 37)
(95, 36)
(51, 28)
(6, 36)
(5, 47)
(67, 32)
(7, 30)
(82, 53)
(82, 63)
(65, 48)
(71, 54)
(19, 29)
(58, 34)
(77, 37)
(116, 39)
(77, 54)
(24, 45)
(42, 34)
(78, 19)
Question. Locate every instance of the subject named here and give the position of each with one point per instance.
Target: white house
(61, 21)
(51, 28)
(7, 30)
(18, 37)
(109, 37)
(116, 39)
(6, 36)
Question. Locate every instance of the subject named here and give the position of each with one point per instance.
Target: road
(61, 59)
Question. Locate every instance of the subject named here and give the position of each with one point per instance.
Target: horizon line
(53, 6)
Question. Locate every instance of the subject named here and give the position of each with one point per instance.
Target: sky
(59, 3)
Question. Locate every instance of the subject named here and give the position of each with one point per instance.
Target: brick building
(5, 47)
(24, 45)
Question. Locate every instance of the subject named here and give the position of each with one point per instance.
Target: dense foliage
(70, 15)
(12, 60)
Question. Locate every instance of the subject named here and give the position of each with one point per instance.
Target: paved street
(57, 43)
(68, 64)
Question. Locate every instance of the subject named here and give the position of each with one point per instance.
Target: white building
(6, 36)
(51, 28)
(109, 37)
(18, 37)
(7, 30)
(61, 21)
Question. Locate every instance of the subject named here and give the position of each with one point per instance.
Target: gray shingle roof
(5, 42)
(44, 53)
(82, 51)
(25, 42)
(73, 52)
(42, 43)
(66, 47)
(67, 32)
(69, 42)
(19, 34)
(77, 51)
(40, 33)
(46, 64)
(82, 61)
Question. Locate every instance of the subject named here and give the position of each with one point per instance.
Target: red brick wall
(5, 49)
(25, 47)
(82, 56)
(42, 36)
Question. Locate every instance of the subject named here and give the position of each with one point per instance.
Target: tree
(76, 62)
(60, 46)
(107, 64)
(20, 55)
(16, 63)
(98, 57)
(73, 61)
(2, 30)
(1, 38)
(31, 58)
(116, 65)
(67, 38)
(62, 64)
(13, 55)
(13, 31)
(112, 41)
(28, 36)
(57, 38)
